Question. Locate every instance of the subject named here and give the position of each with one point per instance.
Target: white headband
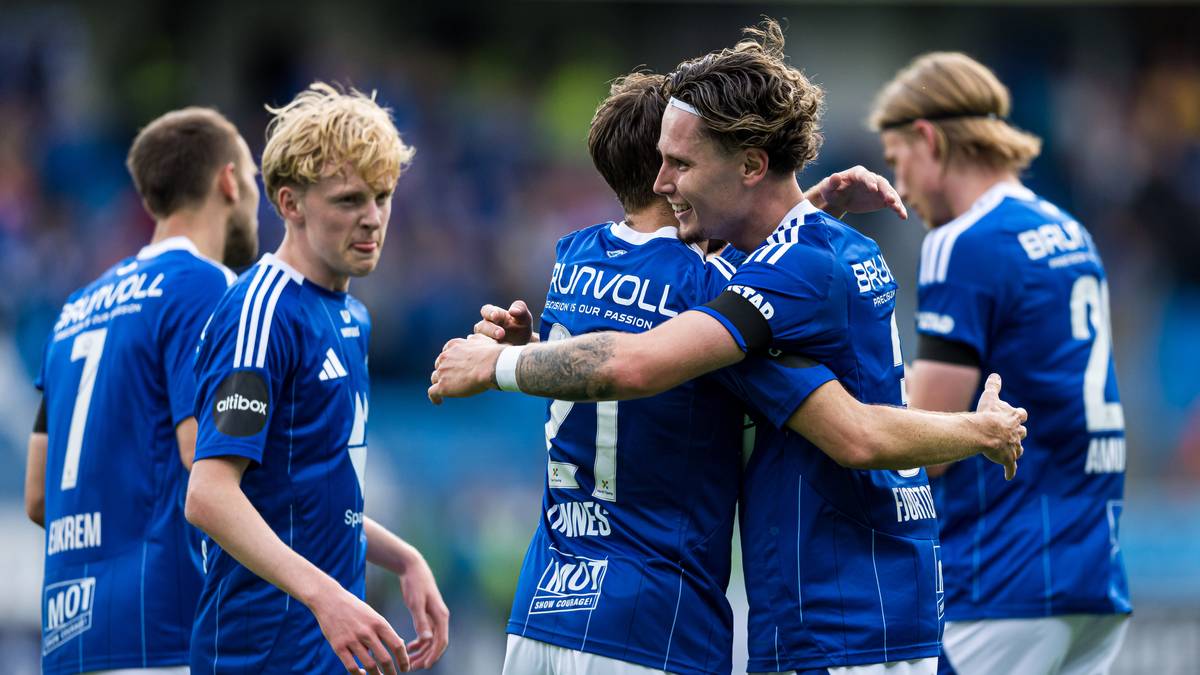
(685, 107)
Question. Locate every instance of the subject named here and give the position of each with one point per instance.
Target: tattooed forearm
(572, 370)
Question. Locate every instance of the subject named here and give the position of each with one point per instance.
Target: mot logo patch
(241, 404)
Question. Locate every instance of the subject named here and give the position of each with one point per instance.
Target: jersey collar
(796, 215)
(179, 243)
(273, 260)
(631, 236)
(990, 200)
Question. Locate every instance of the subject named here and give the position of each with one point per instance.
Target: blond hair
(323, 130)
(750, 97)
(967, 106)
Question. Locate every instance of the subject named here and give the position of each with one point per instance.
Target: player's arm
(855, 190)
(862, 436)
(185, 435)
(941, 385)
(431, 617)
(216, 504)
(595, 367)
(35, 469)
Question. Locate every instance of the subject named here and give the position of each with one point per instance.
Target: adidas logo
(332, 369)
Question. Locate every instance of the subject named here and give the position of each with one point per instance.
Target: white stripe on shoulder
(727, 264)
(722, 267)
(241, 332)
(256, 311)
(261, 359)
(779, 253)
(939, 244)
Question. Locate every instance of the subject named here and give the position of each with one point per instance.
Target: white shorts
(161, 670)
(1075, 644)
(914, 667)
(531, 657)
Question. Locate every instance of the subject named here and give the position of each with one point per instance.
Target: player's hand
(354, 630)
(464, 368)
(1006, 426)
(431, 617)
(512, 326)
(857, 190)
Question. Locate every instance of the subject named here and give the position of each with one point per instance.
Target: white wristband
(506, 368)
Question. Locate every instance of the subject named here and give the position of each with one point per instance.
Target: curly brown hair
(750, 97)
(623, 138)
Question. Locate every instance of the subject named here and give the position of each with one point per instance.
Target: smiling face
(701, 179)
(340, 222)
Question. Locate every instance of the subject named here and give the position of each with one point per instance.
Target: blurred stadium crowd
(497, 104)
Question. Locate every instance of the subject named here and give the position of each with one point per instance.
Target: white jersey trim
(182, 243)
(629, 235)
(939, 243)
(265, 288)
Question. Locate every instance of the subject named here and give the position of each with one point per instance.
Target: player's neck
(964, 186)
(775, 196)
(652, 218)
(202, 225)
(295, 251)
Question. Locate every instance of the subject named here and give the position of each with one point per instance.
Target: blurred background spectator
(497, 99)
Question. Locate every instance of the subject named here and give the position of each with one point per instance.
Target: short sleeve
(957, 301)
(194, 297)
(241, 365)
(775, 384)
(783, 301)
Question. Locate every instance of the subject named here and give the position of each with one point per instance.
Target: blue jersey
(282, 381)
(1020, 283)
(630, 559)
(841, 565)
(122, 565)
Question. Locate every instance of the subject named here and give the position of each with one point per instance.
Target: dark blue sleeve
(774, 384)
(235, 401)
(193, 297)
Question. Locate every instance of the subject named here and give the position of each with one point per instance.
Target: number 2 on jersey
(1089, 306)
(87, 346)
(604, 471)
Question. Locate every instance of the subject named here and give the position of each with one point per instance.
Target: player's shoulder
(581, 238)
(270, 287)
(981, 243)
(808, 237)
(178, 257)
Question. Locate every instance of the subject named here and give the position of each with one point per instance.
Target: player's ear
(227, 182)
(290, 205)
(927, 135)
(754, 165)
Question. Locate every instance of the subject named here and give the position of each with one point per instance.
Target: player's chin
(691, 233)
(362, 265)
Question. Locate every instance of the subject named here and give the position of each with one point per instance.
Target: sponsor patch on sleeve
(241, 405)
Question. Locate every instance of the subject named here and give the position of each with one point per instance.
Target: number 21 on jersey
(604, 471)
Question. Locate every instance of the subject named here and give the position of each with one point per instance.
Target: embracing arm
(863, 436)
(937, 385)
(593, 367)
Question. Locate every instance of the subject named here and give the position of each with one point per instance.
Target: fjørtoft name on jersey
(95, 306)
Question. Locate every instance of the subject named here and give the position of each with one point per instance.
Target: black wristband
(933, 348)
(745, 317)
